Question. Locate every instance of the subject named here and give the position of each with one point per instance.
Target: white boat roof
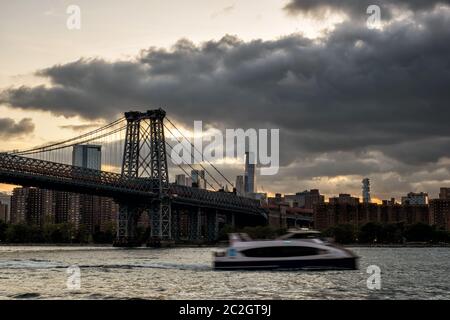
(243, 237)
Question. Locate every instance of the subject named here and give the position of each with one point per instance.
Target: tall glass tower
(366, 190)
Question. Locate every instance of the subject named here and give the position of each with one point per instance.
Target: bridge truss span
(38, 173)
(140, 184)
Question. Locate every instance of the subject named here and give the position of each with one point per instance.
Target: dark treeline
(53, 233)
(370, 233)
(397, 233)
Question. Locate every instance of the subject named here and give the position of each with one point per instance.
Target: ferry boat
(298, 249)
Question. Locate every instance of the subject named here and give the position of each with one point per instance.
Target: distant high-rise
(440, 213)
(240, 186)
(19, 205)
(344, 198)
(444, 193)
(198, 179)
(306, 199)
(366, 191)
(180, 179)
(94, 212)
(250, 165)
(415, 199)
(188, 181)
(33, 206)
(87, 156)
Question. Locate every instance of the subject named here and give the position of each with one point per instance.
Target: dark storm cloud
(355, 90)
(81, 127)
(358, 8)
(10, 128)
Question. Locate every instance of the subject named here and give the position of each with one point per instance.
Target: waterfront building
(349, 212)
(306, 199)
(440, 213)
(33, 206)
(344, 198)
(277, 200)
(415, 198)
(19, 207)
(444, 193)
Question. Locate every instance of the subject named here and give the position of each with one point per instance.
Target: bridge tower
(145, 157)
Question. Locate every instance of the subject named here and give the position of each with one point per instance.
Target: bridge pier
(175, 228)
(212, 226)
(126, 226)
(232, 220)
(195, 221)
(161, 223)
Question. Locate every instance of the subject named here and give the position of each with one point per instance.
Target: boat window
(305, 236)
(302, 235)
(280, 252)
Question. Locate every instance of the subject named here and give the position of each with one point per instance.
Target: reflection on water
(185, 273)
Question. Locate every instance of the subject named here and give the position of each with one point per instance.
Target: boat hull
(349, 263)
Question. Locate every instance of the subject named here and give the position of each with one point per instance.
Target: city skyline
(252, 64)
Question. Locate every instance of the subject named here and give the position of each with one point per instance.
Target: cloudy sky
(350, 100)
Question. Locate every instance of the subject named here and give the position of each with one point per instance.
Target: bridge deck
(50, 175)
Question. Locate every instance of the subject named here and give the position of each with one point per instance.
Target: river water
(185, 273)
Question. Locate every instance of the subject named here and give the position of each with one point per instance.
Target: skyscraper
(87, 156)
(249, 180)
(198, 179)
(94, 212)
(366, 191)
(180, 179)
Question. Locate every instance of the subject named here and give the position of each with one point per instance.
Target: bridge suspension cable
(53, 146)
(55, 151)
(184, 170)
(212, 165)
(212, 177)
(46, 149)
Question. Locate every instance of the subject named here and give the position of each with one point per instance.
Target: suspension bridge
(135, 174)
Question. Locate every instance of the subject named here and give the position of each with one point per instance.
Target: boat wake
(47, 264)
